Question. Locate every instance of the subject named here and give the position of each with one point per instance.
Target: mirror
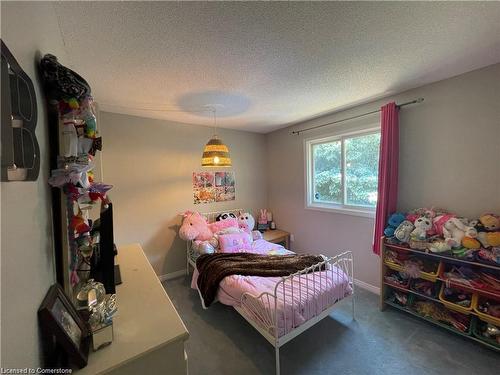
(20, 149)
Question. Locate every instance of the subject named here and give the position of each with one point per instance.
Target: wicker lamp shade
(215, 154)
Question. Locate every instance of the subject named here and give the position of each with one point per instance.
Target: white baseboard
(172, 275)
(366, 286)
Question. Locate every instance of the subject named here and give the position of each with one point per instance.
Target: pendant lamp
(216, 153)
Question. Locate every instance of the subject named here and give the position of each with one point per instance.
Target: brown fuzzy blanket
(212, 268)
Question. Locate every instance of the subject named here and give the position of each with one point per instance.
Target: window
(342, 172)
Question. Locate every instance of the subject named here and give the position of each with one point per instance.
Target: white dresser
(149, 335)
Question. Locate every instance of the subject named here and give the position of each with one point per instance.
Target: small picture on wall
(220, 179)
(203, 187)
(220, 192)
(203, 180)
(229, 193)
(229, 179)
(209, 187)
(204, 195)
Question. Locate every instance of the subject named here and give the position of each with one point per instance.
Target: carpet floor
(389, 342)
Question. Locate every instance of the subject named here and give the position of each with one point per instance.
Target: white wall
(449, 157)
(150, 163)
(27, 270)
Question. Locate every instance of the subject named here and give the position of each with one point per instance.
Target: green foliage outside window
(361, 163)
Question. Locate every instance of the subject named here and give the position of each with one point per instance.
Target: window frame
(310, 203)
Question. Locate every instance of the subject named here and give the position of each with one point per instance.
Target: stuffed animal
(225, 216)
(430, 213)
(246, 221)
(422, 225)
(393, 222)
(454, 230)
(194, 227)
(217, 226)
(403, 231)
(439, 246)
(489, 230)
(489, 239)
(206, 247)
(490, 222)
(470, 243)
(263, 216)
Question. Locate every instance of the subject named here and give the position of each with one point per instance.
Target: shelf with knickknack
(82, 219)
(457, 288)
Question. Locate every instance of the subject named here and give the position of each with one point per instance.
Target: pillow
(235, 243)
(217, 226)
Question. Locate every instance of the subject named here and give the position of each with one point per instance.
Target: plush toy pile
(206, 236)
(446, 233)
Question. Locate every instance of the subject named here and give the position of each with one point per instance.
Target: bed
(281, 308)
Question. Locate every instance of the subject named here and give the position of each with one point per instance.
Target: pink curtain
(387, 197)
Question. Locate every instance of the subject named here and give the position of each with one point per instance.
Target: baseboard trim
(172, 275)
(366, 286)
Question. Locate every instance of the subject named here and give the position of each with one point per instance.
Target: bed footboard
(300, 300)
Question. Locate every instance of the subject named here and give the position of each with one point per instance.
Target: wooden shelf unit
(385, 287)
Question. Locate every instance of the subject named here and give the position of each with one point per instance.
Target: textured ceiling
(268, 64)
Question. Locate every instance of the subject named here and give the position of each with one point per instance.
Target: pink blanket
(312, 293)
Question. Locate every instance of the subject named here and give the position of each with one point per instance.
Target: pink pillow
(219, 225)
(235, 243)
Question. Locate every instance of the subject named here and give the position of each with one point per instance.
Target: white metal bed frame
(262, 311)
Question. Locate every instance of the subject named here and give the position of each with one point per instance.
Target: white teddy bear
(422, 225)
(247, 223)
(454, 230)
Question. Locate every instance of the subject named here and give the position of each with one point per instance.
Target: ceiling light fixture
(216, 153)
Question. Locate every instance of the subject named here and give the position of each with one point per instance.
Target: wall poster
(209, 187)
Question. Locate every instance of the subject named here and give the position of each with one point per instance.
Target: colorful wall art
(209, 187)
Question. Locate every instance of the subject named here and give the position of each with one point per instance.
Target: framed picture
(61, 324)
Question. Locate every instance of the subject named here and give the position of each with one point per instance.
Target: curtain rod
(297, 132)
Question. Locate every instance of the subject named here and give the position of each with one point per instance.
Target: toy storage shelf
(441, 257)
(387, 287)
(451, 260)
(409, 291)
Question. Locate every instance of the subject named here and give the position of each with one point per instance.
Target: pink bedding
(312, 293)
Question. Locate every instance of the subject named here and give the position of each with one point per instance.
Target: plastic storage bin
(477, 329)
(427, 275)
(388, 280)
(466, 319)
(453, 306)
(396, 296)
(432, 275)
(484, 316)
(434, 287)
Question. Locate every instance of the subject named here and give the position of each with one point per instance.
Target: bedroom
(165, 77)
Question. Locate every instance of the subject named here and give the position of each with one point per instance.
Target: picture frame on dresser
(63, 330)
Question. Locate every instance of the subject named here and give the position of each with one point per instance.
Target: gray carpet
(389, 342)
